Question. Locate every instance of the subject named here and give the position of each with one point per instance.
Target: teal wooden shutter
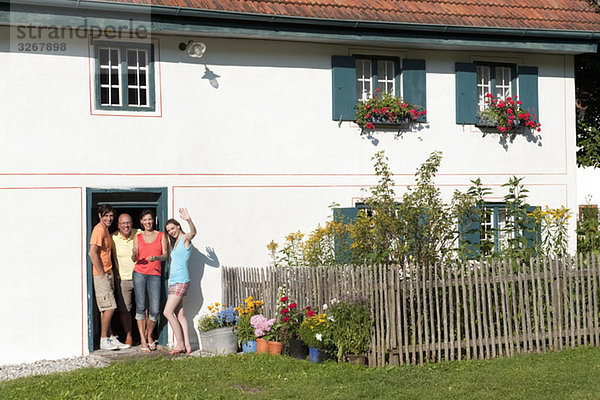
(397, 70)
(533, 231)
(528, 89)
(414, 83)
(466, 93)
(468, 229)
(343, 69)
(346, 215)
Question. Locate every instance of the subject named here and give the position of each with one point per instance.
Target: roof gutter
(143, 9)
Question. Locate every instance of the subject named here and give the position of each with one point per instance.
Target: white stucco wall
(254, 159)
(588, 186)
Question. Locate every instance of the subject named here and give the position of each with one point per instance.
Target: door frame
(161, 215)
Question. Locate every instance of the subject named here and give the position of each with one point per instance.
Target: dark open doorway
(131, 201)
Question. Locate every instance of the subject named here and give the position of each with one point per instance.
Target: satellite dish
(195, 49)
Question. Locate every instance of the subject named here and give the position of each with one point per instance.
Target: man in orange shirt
(104, 286)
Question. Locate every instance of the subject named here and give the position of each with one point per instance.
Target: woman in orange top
(149, 249)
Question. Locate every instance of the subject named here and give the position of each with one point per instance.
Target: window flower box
(482, 122)
(387, 112)
(383, 122)
(506, 116)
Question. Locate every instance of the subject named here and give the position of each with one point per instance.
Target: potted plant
(261, 326)
(506, 115)
(216, 329)
(273, 339)
(351, 331)
(386, 110)
(244, 330)
(291, 317)
(315, 331)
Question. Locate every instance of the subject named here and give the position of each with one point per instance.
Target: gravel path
(48, 366)
(98, 359)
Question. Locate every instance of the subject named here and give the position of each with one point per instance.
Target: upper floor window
(375, 73)
(124, 76)
(494, 79)
(477, 79)
(357, 78)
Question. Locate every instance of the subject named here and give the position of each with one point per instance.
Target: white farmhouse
(109, 102)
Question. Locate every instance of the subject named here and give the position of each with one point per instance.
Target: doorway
(131, 201)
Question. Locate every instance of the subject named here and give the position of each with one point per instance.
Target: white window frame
(496, 220)
(123, 86)
(368, 71)
(138, 70)
(488, 82)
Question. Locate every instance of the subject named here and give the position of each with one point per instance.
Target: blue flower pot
(317, 355)
(249, 346)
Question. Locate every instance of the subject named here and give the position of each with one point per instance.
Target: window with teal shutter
(475, 80)
(359, 77)
(492, 229)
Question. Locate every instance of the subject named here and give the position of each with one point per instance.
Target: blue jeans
(141, 284)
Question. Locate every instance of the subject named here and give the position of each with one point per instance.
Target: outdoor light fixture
(193, 49)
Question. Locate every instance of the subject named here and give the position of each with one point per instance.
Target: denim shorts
(143, 284)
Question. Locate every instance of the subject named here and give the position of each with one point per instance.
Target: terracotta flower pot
(275, 348)
(262, 346)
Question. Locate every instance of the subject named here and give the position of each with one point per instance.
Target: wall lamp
(193, 49)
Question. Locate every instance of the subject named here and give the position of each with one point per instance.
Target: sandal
(177, 351)
(152, 346)
(145, 349)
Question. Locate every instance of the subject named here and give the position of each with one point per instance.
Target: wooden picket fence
(471, 311)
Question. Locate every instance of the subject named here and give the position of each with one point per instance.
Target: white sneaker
(115, 340)
(107, 344)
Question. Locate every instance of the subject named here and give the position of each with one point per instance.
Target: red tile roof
(568, 15)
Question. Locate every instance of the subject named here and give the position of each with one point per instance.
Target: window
(490, 233)
(355, 78)
(475, 80)
(493, 227)
(377, 73)
(494, 79)
(124, 77)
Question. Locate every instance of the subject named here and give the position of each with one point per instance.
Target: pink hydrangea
(261, 324)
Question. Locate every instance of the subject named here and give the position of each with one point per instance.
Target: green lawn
(570, 374)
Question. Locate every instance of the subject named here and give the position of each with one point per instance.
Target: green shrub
(351, 325)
